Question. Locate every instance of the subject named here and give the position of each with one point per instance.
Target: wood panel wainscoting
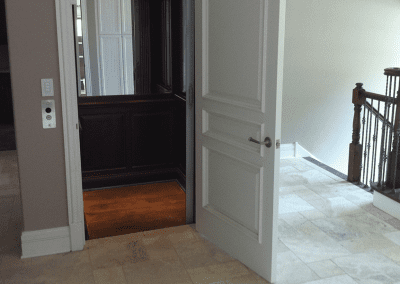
(132, 139)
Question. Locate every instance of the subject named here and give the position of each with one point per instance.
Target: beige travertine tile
(282, 247)
(113, 253)
(392, 252)
(313, 214)
(283, 190)
(293, 219)
(156, 271)
(72, 267)
(217, 272)
(359, 198)
(394, 222)
(153, 254)
(368, 243)
(109, 275)
(287, 169)
(307, 194)
(286, 180)
(394, 237)
(248, 279)
(342, 279)
(353, 226)
(290, 203)
(369, 267)
(285, 230)
(336, 206)
(292, 270)
(310, 177)
(311, 244)
(183, 234)
(201, 253)
(370, 208)
(159, 247)
(325, 268)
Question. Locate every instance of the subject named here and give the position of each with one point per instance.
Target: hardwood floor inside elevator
(131, 209)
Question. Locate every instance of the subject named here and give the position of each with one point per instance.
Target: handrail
(378, 114)
(377, 97)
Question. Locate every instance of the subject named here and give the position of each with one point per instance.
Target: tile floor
(329, 232)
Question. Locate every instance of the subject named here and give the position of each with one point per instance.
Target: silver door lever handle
(267, 141)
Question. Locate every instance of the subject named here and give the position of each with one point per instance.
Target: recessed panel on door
(111, 65)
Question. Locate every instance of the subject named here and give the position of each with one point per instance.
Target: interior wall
(329, 47)
(33, 54)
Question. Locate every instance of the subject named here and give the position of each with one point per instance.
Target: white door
(238, 91)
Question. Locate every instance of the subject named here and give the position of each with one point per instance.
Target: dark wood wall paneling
(132, 139)
(3, 25)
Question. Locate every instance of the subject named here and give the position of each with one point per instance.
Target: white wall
(330, 46)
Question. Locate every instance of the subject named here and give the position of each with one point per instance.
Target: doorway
(120, 132)
(7, 131)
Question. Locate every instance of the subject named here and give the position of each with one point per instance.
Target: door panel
(109, 15)
(126, 17)
(111, 65)
(239, 66)
(128, 64)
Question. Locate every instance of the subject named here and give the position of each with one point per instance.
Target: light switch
(47, 87)
(48, 114)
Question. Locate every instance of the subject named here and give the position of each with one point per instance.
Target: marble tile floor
(329, 232)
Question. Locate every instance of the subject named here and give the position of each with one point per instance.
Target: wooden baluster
(355, 152)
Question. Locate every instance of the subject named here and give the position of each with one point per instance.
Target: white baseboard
(45, 242)
(387, 205)
(294, 150)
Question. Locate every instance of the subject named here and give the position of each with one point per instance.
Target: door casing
(69, 101)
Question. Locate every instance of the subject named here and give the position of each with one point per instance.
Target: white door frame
(86, 49)
(69, 101)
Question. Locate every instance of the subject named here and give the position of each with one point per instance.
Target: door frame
(69, 102)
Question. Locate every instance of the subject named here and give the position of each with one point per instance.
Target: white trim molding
(387, 205)
(295, 150)
(86, 50)
(45, 242)
(69, 100)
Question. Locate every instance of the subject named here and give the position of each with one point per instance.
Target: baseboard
(45, 242)
(386, 204)
(294, 150)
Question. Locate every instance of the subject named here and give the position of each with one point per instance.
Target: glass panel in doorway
(114, 62)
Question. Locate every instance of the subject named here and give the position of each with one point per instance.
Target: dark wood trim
(141, 37)
(132, 178)
(181, 178)
(126, 99)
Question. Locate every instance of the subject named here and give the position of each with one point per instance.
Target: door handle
(267, 142)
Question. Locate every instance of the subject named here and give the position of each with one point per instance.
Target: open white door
(239, 49)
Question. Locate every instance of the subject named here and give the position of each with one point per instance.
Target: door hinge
(278, 143)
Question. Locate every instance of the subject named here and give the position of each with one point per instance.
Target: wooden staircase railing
(363, 167)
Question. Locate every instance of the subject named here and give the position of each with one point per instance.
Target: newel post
(355, 151)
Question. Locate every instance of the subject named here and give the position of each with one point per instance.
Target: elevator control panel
(48, 114)
(47, 87)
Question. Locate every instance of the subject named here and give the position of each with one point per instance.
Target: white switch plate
(47, 87)
(48, 114)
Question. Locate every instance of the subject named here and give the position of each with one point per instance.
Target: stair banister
(355, 153)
